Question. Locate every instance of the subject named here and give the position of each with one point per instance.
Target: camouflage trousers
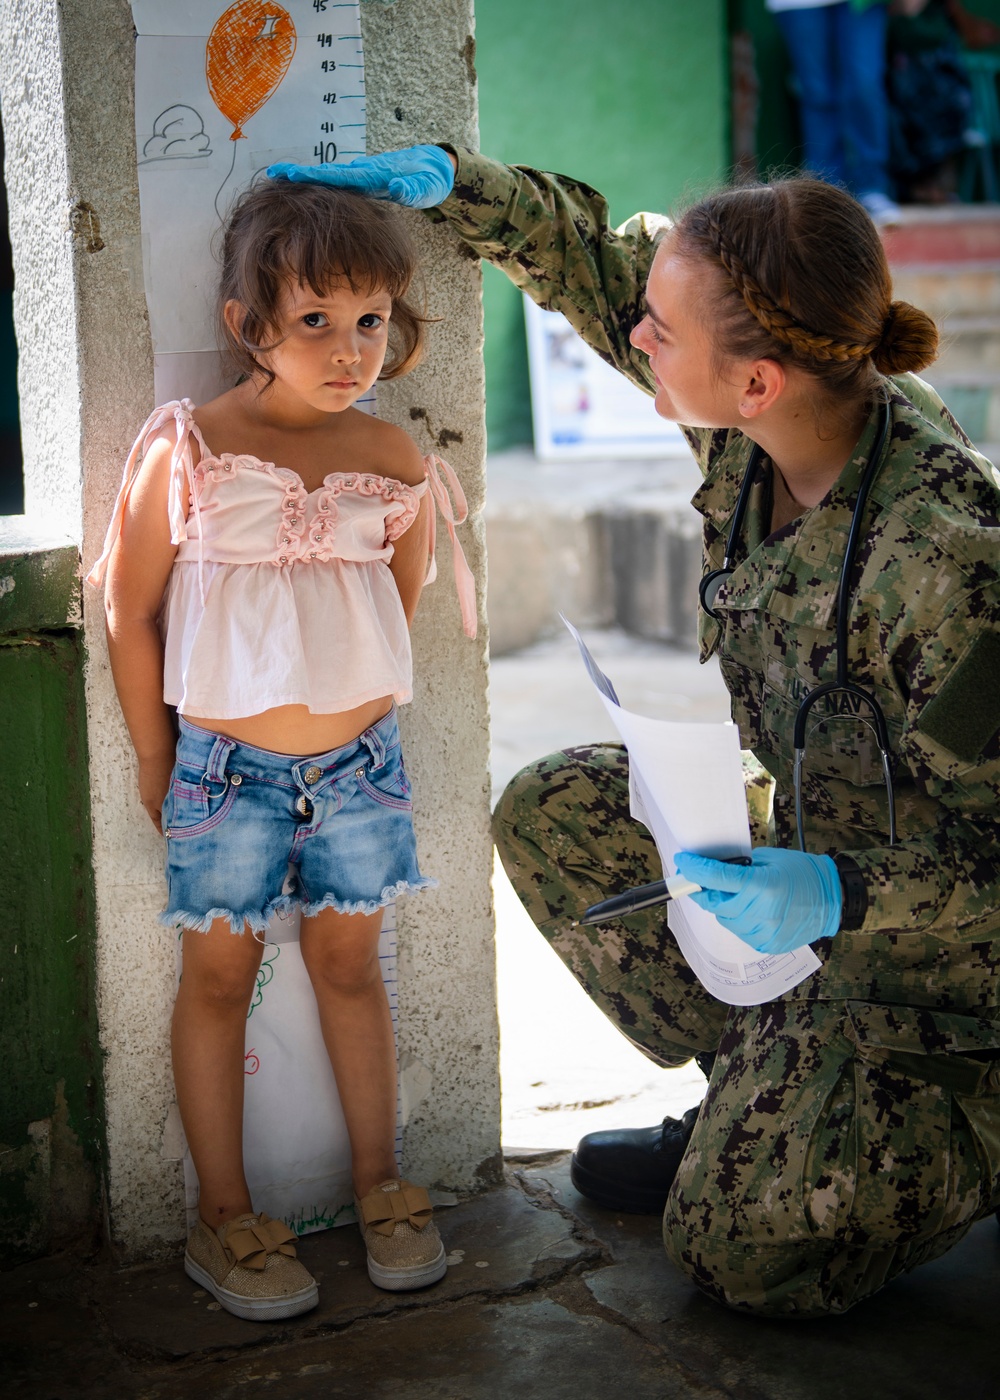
(816, 1173)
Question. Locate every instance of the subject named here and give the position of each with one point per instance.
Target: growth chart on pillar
(221, 92)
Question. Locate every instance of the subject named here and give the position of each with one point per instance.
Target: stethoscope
(708, 592)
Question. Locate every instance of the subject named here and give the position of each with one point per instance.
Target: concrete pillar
(421, 84)
(86, 385)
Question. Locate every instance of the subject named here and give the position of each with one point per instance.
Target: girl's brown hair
(805, 281)
(319, 237)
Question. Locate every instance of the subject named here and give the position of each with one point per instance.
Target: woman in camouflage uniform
(851, 1128)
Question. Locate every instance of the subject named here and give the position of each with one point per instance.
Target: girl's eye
(371, 322)
(314, 319)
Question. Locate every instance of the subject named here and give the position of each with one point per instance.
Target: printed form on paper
(686, 786)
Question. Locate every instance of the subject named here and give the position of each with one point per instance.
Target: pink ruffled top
(279, 595)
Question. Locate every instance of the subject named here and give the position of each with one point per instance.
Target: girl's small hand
(154, 781)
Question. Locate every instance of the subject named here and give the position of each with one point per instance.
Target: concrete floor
(546, 1297)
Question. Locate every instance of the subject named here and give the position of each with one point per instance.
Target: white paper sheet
(303, 60)
(686, 786)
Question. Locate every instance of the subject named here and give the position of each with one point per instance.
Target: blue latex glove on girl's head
(783, 901)
(418, 176)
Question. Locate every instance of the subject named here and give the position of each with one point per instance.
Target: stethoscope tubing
(709, 587)
(851, 550)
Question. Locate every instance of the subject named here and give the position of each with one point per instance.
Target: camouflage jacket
(924, 623)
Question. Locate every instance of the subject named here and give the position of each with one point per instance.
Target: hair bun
(909, 340)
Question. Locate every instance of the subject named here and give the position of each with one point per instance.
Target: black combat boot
(632, 1169)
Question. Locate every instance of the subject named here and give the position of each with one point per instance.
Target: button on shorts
(252, 833)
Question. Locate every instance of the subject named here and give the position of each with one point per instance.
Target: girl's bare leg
(340, 952)
(208, 1039)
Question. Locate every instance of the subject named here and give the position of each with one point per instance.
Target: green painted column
(777, 134)
(51, 1126)
(632, 98)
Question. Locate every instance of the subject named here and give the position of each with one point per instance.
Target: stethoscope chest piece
(709, 588)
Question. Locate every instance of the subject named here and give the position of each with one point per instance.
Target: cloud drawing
(178, 134)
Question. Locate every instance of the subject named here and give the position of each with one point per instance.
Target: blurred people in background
(838, 54)
(930, 95)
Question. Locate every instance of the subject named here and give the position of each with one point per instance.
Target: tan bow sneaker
(404, 1247)
(249, 1266)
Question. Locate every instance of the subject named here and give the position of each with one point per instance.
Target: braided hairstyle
(806, 283)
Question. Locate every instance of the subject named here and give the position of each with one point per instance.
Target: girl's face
(674, 335)
(333, 346)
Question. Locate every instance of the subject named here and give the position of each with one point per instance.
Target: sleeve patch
(965, 714)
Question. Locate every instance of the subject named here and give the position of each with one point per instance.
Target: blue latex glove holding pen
(782, 901)
(418, 176)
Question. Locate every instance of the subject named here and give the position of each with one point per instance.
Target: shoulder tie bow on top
(441, 479)
(181, 475)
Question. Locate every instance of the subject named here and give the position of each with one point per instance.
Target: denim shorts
(252, 833)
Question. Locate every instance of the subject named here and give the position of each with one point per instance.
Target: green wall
(777, 122)
(11, 480)
(631, 97)
(989, 9)
(51, 1127)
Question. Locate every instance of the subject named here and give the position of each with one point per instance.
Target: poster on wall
(221, 92)
(580, 406)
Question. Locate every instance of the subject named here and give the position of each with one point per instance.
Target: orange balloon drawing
(247, 55)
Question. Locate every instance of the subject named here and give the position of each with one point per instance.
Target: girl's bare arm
(411, 557)
(138, 570)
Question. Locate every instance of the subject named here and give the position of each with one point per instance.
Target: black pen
(645, 896)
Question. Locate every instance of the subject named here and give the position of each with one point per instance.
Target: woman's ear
(763, 384)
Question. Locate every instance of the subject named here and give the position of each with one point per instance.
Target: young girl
(264, 560)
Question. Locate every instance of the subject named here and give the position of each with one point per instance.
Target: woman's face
(675, 336)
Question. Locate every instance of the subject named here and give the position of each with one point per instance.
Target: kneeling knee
(520, 795)
(529, 792)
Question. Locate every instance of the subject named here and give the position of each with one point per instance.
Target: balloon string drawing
(264, 974)
(247, 55)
